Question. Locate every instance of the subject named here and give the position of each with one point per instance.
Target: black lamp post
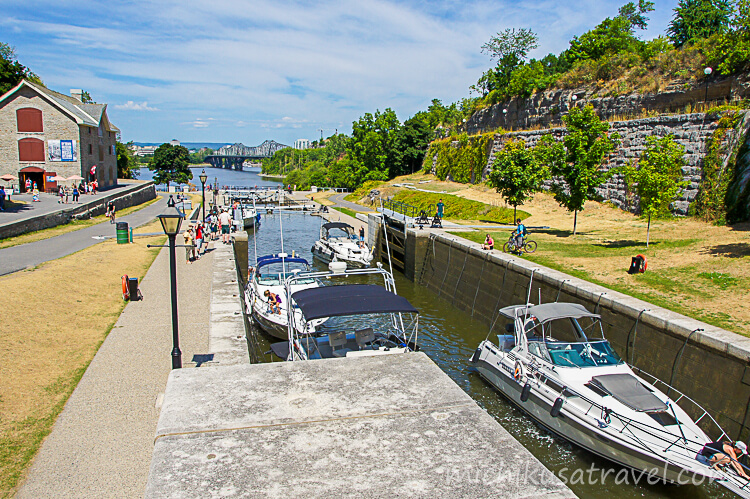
(170, 223)
(707, 72)
(203, 178)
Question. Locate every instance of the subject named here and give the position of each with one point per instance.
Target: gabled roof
(83, 114)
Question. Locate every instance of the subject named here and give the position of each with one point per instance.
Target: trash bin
(122, 232)
(133, 288)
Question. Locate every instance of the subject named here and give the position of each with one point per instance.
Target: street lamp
(203, 178)
(707, 72)
(170, 223)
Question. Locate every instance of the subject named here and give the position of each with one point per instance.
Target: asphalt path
(27, 255)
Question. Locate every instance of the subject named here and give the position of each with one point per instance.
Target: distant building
(175, 142)
(44, 134)
(142, 150)
(302, 144)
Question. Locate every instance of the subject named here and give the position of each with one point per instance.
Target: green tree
(12, 71)
(697, 19)
(372, 144)
(730, 52)
(86, 98)
(411, 143)
(127, 166)
(635, 13)
(578, 160)
(656, 180)
(170, 164)
(611, 36)
(516, 174)
(510, 47)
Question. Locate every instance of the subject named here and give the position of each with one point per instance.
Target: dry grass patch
(74, 225)
(57, 316)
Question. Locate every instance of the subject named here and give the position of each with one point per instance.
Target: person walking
(2, 198)
(27, 184)
(440, 208)
(198, 240)
(61, 193)
(67, 194)
(188, 236)
(75, 194)
(225, 220)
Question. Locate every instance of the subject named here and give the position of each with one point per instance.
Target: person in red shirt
(198, 239)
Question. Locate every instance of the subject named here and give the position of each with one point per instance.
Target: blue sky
(246, 71)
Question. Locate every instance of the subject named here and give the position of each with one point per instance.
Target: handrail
(401, 207)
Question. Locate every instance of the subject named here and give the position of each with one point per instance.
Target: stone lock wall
(692, 131)
(711, 366)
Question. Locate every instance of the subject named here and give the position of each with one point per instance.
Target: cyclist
(519, 234)
(111, 211)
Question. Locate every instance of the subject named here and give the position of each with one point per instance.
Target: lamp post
(203, 178)
(707, 72)
(170, 223)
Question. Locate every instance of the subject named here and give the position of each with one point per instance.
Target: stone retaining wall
(138, 194)
(709, 364)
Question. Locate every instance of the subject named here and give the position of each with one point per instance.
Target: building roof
(83, 114)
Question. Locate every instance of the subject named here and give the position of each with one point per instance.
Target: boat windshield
(586, 354)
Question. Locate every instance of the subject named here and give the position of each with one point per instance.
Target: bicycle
(528, 246)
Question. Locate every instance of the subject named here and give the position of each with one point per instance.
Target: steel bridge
(233, 156)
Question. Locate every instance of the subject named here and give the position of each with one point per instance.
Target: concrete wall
(138, 194)
(712, 370)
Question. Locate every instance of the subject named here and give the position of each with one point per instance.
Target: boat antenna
(255, 233)
(387, 246)
(528, 293)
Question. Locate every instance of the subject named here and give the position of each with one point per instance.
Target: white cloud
(133, 106)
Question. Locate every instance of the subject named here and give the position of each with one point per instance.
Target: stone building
(44, 134)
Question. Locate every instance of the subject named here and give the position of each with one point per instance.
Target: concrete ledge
(226, 337)
(390, 426)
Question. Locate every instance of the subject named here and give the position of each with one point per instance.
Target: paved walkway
(49, 203)
(101, 444)
(28, 255)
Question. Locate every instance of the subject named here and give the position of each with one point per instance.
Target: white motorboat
(378, 309)
(250, 217)
(270, 274)
(556, 365)
(338, 243)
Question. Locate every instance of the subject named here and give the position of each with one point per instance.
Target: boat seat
(337, 341)
(364, 336)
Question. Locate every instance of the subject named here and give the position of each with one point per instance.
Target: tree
(697, 19)
(635, 13)
(656, 180)
(516, 174)
(127, 166)
(411, 143)
(86, 97)
(611, 36)
(372, 143)
(511, 48)
(171, 165)
(578, 160)
(12, 71)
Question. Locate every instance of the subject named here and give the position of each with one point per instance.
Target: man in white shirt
(225, 220)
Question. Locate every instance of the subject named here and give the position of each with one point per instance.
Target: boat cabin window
(585, 354)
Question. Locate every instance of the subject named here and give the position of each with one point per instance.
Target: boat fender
(125, 288)
(556, 407)
(475, 357)
(525, 392)
(518, 373)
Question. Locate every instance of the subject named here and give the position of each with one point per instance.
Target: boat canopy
(268, 260)
(549, 311)
(350, 299)
(628, 389)
(336, 225)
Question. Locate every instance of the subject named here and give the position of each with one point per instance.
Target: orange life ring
(518, 373)
(645, 263)
(125, 288)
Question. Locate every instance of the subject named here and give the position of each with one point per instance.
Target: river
(248, 177)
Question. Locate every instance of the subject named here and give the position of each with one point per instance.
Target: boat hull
(570, 428)
(326, 255)
(275, 329)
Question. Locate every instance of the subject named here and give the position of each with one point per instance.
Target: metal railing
(405, 208)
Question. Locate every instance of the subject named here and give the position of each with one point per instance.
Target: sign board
(61, 150)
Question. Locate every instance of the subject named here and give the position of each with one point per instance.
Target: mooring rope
(479, 284)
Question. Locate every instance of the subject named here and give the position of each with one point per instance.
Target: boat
(339, 243)
(554, 363)
(270, 274)
(250, 217)
(378, 309)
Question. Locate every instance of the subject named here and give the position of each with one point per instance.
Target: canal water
(221, 176)
(449, 336)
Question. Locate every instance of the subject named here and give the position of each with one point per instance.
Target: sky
(247, 71)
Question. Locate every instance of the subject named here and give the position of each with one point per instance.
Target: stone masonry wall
(708, 364)
(692, 131)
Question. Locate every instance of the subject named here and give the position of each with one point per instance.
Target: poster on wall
(61, 150)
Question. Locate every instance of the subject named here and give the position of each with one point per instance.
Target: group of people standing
(196, 240)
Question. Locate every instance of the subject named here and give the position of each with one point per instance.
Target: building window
(91, 147)
(101, 153)
(89, 130)
(30, 150)
(29, 119)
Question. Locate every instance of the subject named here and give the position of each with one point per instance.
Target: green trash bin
(122, 233)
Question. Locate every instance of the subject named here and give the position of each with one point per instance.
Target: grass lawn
(49, 338)
(73, 225)
(345, 211)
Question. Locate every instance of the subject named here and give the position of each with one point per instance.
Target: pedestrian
(27, 185)
(94, 185)
(198, 239)
(34, 188)
(61, 193)
(67, 194)
(225, 220)
(188, 236)
(75, 194)
(362, 236)
(440, 208)
(2, 198)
